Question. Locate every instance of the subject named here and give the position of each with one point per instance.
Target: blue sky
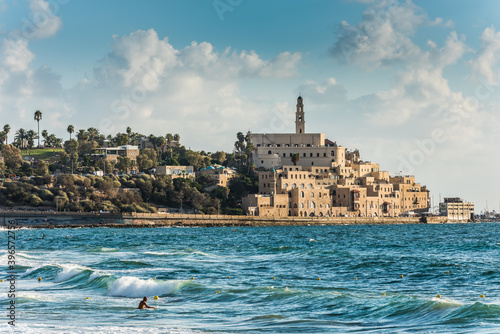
(413, 85)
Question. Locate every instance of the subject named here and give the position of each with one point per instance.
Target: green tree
(123, 164)
(82, 135)
(295, 158)
(146, 160)
(71, 148)
(38, 117)
(219, 156)
(20, 137)
(70, 130)
(6, 129)
(42, 168)
(45, 135)
(31, 136)
(121, 139)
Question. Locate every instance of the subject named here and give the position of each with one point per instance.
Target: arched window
(295, 206)
(332, 153)
(319, 195)
(301, 186)
(285, 185)
(310, 186)
(294, 186)
(301, 205)
(312, 205)
(312, 194)
(301, 194)
(269, 152)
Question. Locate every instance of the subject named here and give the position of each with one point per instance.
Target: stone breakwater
(33, 219)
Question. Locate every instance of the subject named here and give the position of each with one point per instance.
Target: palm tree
(20, 136)
(93, 133)
(31, 136)
(177, 138)
(2, 136)
(295, 158)
(70, 129)
(45, 135)
(6, 129)
(169, 138)
(129, 130)
(38, 117)
(81, 135)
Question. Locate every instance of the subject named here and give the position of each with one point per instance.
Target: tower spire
(300, 122)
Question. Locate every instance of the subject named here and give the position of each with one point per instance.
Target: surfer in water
(143, 304)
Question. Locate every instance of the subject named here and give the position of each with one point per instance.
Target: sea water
(297, 279)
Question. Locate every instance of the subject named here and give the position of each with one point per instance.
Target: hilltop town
(271, 175)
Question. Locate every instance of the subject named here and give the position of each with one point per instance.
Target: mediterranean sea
(300, 279)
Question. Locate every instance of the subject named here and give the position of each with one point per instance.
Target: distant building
(176, 171)
(265, 205)
(455, 209)
(112, 153)
(220, 174)
(320, 178)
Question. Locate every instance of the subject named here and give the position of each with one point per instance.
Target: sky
(412, 84)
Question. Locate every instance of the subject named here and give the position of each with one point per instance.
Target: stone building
(321, 178)
(220, 174)
(455, 209)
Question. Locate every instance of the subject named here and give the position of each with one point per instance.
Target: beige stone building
(321, 178)
(220, 174)
(112, 153)
(455, 209)
(266, 205)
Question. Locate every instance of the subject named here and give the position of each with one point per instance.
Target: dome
(210, 167)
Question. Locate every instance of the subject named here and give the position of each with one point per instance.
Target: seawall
(34, 219)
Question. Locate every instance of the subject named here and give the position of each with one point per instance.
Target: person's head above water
(145, 299)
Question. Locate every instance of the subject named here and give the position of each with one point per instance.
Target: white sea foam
(159, 253)
(69, 270)
(45, 328)
(447, 301)
(97, 274)
(135, 287)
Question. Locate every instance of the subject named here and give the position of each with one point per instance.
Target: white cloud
(42, 22)
(327, 92)
(382, 37)
(485, 64)
(146, 83)
(16, 55)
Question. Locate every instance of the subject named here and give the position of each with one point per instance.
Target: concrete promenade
(37, 219)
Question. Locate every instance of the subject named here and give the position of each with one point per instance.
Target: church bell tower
(300, 122)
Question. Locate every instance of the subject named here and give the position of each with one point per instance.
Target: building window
(324, 155)
(301, 194)
(312, 194)
(301, 186)
(294, 186)
(269, 152)
(301, 205)
(317, 155)
(312, 205)
(310, 154)
(310, 186)
(332, 153)
(304, 155)
(284, 155)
